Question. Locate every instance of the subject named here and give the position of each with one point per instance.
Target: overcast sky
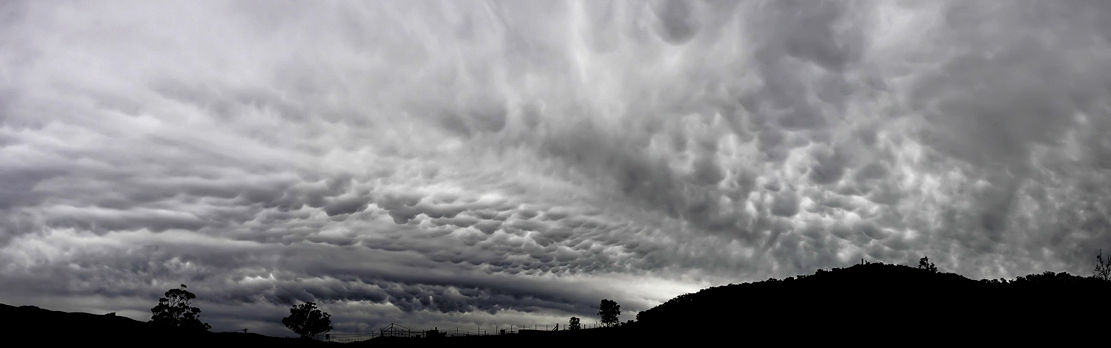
(467, 163)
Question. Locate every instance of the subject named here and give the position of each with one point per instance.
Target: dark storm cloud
(443, 163)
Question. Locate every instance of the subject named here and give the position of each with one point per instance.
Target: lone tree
(174, 311)
(1103, 267)
(609, 311)
(924, 263)
(574, 324)
(307, 320)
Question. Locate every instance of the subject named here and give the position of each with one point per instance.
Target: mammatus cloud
(495, 163)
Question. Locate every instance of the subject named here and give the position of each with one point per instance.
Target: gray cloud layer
(447, 163)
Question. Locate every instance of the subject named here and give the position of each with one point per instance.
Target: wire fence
(398, 331)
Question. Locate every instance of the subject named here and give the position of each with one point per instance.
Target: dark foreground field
(871, 303)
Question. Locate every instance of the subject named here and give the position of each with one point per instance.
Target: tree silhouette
(1103, 267)
(609, 311)
(307, 320)
(174, 311)
(924, 263)
(574, 324)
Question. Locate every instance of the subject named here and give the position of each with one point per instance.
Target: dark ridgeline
(866, 303)
(875, 300)
(29, 326)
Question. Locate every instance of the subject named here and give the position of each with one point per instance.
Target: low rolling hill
(875, 302)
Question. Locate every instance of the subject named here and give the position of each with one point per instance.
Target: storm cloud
(496, 163)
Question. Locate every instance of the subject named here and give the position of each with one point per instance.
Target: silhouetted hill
(33, 326)
(880, 300)
(871, 303)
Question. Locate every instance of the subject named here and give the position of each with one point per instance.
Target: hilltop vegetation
(888, 300)
(877, 301)
(42, 327)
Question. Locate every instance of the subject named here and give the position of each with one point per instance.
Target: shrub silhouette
(174, 311)
(1103, 267)
(574, 324)
(924, 263)
(307, 320)
(609, 311)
